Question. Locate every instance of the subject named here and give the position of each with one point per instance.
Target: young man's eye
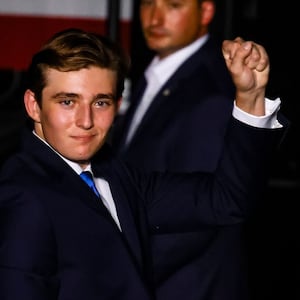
(66, 102)
(102, 103)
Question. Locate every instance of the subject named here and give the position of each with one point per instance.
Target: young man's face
(169, 25)
(77, 111)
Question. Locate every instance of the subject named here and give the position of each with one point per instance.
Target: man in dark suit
(177, 122)
(163, 139)
(61, 238)
(188, 87)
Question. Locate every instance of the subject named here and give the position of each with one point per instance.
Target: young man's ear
(31, 105)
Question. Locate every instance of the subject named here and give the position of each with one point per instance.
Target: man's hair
(72, 50)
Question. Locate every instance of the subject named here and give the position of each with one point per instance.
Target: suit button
(166, 92)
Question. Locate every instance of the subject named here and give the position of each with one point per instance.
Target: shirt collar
(162, 69)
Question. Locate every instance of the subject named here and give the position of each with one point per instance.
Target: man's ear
(208, 10)
(31, 105)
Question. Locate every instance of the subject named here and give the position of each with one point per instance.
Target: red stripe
(22, 36)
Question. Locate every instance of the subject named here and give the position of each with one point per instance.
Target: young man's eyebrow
(65, 94)
(105, 96)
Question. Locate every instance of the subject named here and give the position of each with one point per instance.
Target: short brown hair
(73, 49)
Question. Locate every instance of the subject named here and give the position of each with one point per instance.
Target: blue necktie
(88, 179)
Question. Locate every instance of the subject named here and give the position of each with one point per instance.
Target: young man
(58, 239)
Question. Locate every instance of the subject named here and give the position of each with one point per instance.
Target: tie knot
(88, 179)
(87, 176)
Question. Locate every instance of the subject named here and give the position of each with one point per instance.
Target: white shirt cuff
(269, 120)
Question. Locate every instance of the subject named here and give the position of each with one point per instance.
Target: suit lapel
(125, 211)
(79, 189)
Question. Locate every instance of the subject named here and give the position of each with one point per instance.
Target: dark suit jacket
(58, 242)
(183, 130)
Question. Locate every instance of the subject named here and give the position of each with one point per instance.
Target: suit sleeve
(190, 201)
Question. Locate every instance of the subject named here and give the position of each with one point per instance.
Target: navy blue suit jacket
(57, 241)
(183, 131)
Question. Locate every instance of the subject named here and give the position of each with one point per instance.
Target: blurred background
(273, 236)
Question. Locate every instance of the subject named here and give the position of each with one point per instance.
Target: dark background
(273, 234)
